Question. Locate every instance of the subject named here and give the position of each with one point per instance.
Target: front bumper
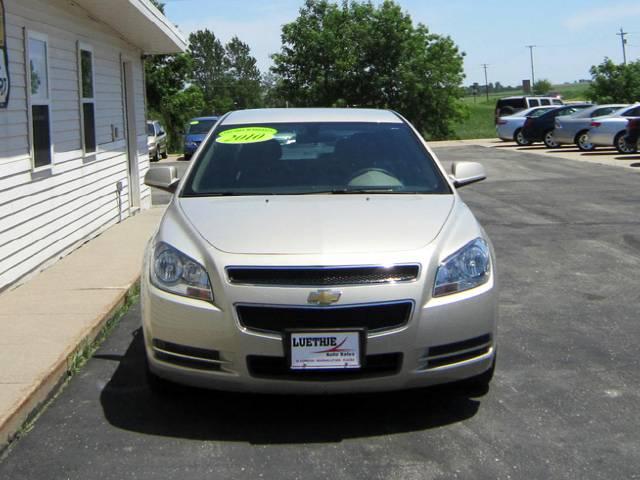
(190, 149)
(445, 339)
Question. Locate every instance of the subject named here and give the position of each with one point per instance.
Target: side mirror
(466, 173)
(164, 178)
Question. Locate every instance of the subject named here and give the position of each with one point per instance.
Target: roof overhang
(138, 22)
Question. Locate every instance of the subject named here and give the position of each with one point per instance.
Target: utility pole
(486, 82)
(533, 77)
(623, 34)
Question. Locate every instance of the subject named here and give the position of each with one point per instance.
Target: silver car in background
(610, 131)
(509, 128)
(574, 129)
(318, 251)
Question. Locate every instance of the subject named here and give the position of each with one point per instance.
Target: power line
(623, 34)
(486, 82)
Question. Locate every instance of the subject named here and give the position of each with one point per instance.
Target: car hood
(195, 137)
(318, 224)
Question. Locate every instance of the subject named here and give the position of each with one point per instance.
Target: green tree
(159, 5)
(244, 78)
(542, 87)
(361, 54)
(615, 83)
(211, 70)
(166, 77)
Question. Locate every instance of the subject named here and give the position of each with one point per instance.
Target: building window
(39, 99)
(87, 96)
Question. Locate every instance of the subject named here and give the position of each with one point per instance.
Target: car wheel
(583, 143)
(156, 157)
(165, 154)
(520, 138)
(549, 141)
(186, 157)
(158, 385)
(479, 385)
(621, 144)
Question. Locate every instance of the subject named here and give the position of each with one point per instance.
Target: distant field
(479, 124)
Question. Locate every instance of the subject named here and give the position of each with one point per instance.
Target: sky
(570, 35)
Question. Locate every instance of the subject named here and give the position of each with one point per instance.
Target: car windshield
(150, 131)
(314, 158)
(200, 127)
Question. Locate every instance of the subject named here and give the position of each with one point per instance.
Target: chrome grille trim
(319, 276)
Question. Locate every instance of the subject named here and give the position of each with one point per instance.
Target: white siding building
(73, 145)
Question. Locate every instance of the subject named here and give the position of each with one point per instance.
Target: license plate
(325, 350)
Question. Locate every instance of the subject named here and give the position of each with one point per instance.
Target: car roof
(301, 115)
(515, 97)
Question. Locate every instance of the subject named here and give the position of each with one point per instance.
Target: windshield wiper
(347, 191)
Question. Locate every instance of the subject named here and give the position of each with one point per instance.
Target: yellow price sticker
(246, 135)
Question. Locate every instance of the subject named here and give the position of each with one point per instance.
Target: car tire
(582, 141)
(549, 141)
(156, 384)
(479, 385)
(165, 154)
(622, 146)
(520, 139)
(186, 157)
(156, 157)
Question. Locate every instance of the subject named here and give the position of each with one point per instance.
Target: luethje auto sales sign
(4, 61)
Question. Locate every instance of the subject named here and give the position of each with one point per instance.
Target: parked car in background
(509, 128)
(540, 129)
(510, 105)
(196, 131)
(156, 141)
(575, 128)
(632, 134)
(610, 131)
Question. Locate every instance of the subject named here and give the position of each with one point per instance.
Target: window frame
(31, 102)
(82, 100)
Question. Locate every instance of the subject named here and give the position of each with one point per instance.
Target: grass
(479, 123)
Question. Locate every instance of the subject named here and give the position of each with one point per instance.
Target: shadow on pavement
(600, 153)
(270, 419)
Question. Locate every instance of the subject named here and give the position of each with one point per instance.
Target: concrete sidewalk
(44, 321)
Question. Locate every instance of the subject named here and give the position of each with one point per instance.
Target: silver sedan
(509, 128)
(610, 131)
(318, 251)
(575, 128)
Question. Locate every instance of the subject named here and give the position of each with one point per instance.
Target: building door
(131, 136)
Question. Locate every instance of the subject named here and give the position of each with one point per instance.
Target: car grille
(450, 353)
(277, 368)
(322, 276)
(277, 319)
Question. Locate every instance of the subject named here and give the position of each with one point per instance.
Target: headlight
(192, 144)
(173, 271)
(467, 268)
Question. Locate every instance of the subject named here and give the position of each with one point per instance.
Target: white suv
(510, 105)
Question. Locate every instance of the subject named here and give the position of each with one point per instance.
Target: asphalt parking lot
(564, 403)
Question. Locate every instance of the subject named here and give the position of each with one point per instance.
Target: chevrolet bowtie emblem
(324, 297)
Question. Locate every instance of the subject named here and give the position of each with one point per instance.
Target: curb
(53, 381)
